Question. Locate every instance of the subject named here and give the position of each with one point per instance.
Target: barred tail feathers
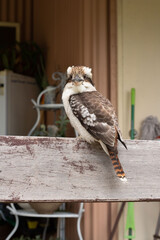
(115, 161)
(117, 165)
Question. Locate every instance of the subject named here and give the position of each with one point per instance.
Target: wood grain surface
(42, 169)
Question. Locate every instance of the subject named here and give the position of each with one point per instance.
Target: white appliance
(17, 115)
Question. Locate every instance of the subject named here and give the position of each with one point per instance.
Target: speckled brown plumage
(105, 125)
(100, 121)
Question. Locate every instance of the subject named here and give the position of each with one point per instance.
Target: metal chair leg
(14, 229)
(79, 228)
(81, 210)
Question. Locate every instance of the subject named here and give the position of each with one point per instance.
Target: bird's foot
(79, 137)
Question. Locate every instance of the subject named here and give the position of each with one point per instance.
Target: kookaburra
(91, 114)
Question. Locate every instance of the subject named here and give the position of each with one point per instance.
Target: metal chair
(57, 76)
(33, 213)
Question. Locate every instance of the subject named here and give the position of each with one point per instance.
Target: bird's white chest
(73, 119)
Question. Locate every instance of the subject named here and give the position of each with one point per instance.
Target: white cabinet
(16, 109)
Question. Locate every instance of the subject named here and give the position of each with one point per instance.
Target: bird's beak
(77, 80)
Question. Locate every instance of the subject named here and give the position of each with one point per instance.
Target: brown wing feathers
(97, 115)
(94, 116)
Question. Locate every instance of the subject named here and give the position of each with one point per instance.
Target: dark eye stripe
(89, 80)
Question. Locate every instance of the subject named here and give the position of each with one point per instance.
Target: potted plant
(26, 59)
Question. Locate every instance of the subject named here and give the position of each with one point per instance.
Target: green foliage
(41, 131)
(24, 58)
(62, 126)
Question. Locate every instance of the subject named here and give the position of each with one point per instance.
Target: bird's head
(79, 75)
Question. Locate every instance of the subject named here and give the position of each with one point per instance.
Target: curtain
(20, 11)
(81, 32)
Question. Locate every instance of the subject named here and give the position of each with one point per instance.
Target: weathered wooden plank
(66, 169)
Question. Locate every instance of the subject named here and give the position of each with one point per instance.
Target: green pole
(130, 225)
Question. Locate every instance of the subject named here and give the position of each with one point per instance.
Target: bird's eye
(85, 76)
